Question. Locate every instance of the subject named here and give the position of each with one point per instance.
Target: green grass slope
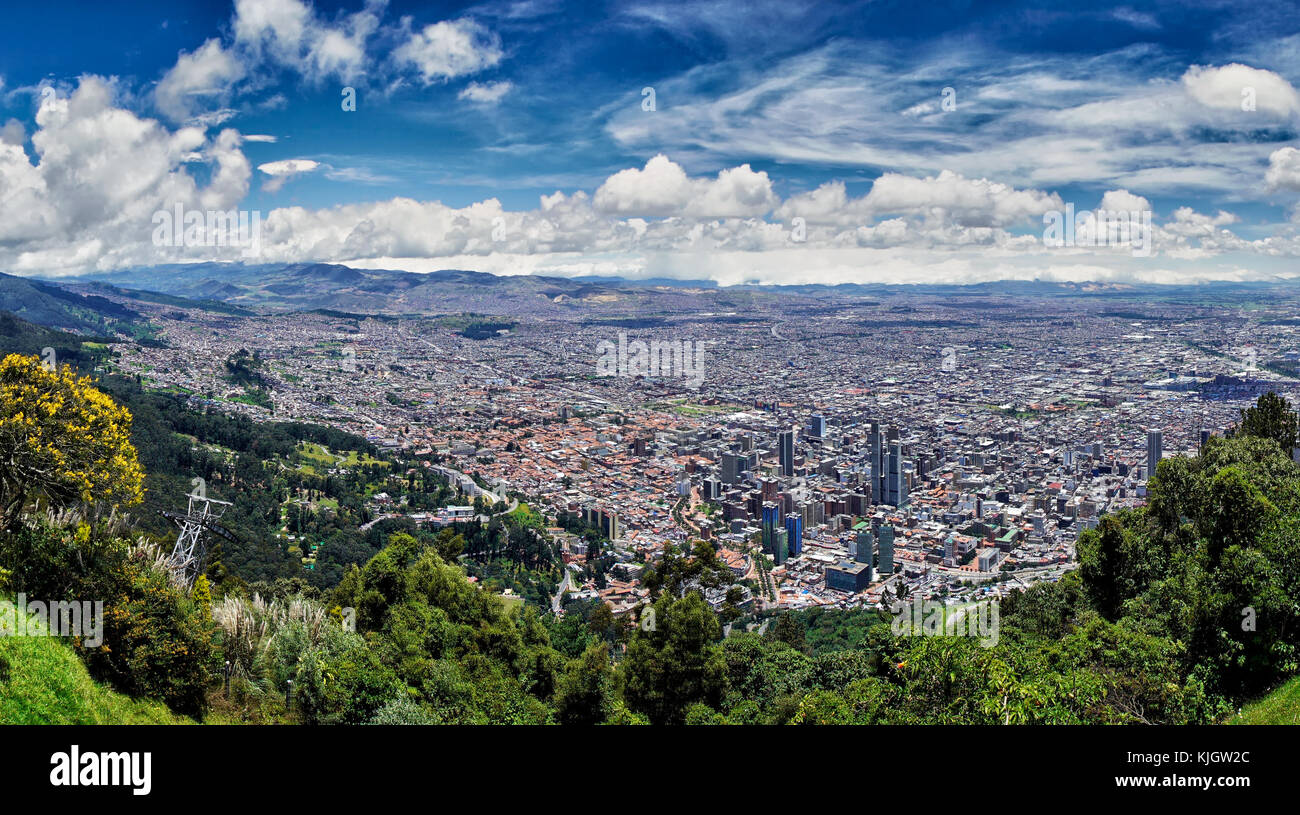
(42, 681)
(1282, 706)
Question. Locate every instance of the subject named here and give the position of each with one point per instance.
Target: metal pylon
(191, 550)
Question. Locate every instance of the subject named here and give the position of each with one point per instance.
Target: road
(559, 592)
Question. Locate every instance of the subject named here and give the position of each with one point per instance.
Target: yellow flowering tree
(63, 440)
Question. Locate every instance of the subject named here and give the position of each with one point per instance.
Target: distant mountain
(339, 288)
(57, 307)
(312, 286)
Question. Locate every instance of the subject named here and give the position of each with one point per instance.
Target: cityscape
(955, 450)
(922, 373)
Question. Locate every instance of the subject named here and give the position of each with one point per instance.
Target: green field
(42, 681)
(1282, 706)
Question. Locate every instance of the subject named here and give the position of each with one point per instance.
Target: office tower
(794, 534)
(894, 490)
(886, 543)
(786, 444)
(1096, 450)
(877, 457)
(732, 467)
(771, 520)
(779, 547)
(1205, 436)
(865, 551)
(1155, 449)
(819, 426)
(746, 443)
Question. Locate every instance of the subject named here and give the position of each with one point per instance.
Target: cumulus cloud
(948, 198)
(100, 173)
(449, 49)
(1123, 201)
(281, 171)
(1225, 87)
(662, 188)
(209, 72)
(1283, 169)
(13, 132)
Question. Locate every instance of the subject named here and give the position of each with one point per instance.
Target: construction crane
(189, 556)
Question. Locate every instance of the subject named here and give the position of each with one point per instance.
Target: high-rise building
(732, 466)
(1205, 436)
(1155, 450)
(786, 444)
(771, 521)
(819, 426)
(865, 551)
(886, 544)
(877, 458)
(894, 488)
(780, 547)
(794, 533)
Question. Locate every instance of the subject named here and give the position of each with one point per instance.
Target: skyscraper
(886, 541)
(1155, 449)
(794, 533)
(865, 551)
(877, 457)
(786, 444)
(732, 466)
(771, 520)
(894, 489)
(819, 426)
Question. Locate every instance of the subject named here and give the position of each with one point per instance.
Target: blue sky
(788, 141)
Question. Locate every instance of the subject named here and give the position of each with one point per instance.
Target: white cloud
(13, 132)
(209, 71)
(449, 49)
(1123, 201)
(100, 173)
(1223, 87)
(1283, 169)
(487, 93)
(281, 171)
(662, 188)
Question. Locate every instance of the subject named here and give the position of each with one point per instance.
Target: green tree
(1271, 418)
(585, 691)
(677, 663)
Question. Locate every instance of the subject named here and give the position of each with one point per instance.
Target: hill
(1282, 706)
(56, 307)
(43, 681)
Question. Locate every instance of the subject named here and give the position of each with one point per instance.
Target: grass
(43, 681)
(1282, 706)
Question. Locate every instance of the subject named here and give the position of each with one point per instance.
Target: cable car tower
(189, 556)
